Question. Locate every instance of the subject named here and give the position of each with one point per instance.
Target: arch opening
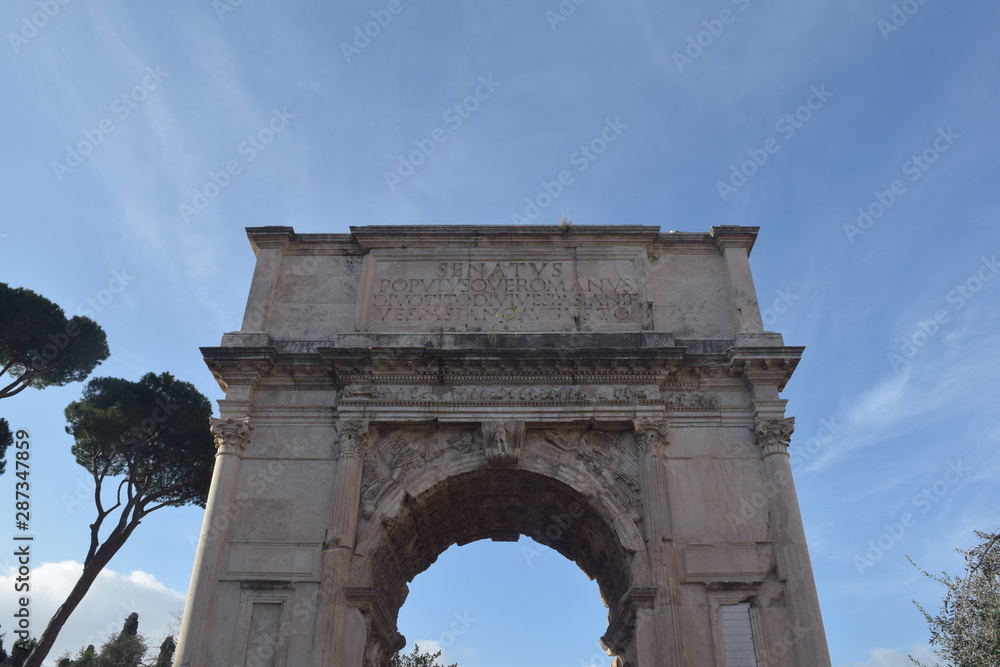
(506, 603)
(499, 504)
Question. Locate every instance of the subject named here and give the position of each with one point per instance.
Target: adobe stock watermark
(786, 126)
(777, 651)
(60, 340)
(760, 499)
(643, 616)
(96, 304)
(581, 158)
(898, 17)
(121, 108)
(455, 116)
(704, 39)
(561, 522)
(562, 12)
(920, 504)
(85, 486)
(801, 455)
(783, 302)
(254, 486)
(915, 168)
(927, 328)
(364, 34)
(300, 615)
(248, 150)
(223, 7)
(461, 624)
(32, 24)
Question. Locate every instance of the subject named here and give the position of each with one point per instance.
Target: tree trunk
(90, 571)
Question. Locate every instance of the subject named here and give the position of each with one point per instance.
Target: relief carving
(360, 391)
(462, 443)
(608, 461)
(502, 442)
(605, 459)
(387, 462)
(691, 401)
(534, 393)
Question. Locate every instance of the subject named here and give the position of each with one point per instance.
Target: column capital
(231, 435)
(353, 434)
(773, 435)
(651, 435)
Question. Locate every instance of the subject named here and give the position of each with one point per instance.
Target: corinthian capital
(353, 434)
(773, 435)
(650, 435)
(231, 435)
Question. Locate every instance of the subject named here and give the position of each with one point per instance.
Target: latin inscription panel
(594, 291)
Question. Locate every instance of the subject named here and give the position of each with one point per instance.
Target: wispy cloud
(887, 657)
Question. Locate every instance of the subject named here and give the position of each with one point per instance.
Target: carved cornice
(231, 435)
(651, 436)
(773, 435)
(621, 628)
(370, 601)
(734, 236)
(764, 365)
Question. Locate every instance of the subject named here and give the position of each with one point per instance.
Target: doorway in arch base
(607, 391)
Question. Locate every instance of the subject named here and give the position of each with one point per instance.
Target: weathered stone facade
(607, 391)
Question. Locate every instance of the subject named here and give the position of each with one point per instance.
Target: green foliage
(20, 651)
(165, 658)
(418, 658)
(6, 440)
(966, 632)
(87, 657)
(131, 626)
(122, 650)
(154, 432)
(40, 346)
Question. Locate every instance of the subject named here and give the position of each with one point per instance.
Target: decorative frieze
(533, 393)
(693, 400)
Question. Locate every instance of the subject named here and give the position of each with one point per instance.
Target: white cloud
(887, 657)
(103, 611)
(431, 646)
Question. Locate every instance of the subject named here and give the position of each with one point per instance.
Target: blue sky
(141, 138)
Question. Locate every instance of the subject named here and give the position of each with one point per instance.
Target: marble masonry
(607, 391)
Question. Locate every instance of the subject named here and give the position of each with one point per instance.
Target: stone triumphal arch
(607, 391)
